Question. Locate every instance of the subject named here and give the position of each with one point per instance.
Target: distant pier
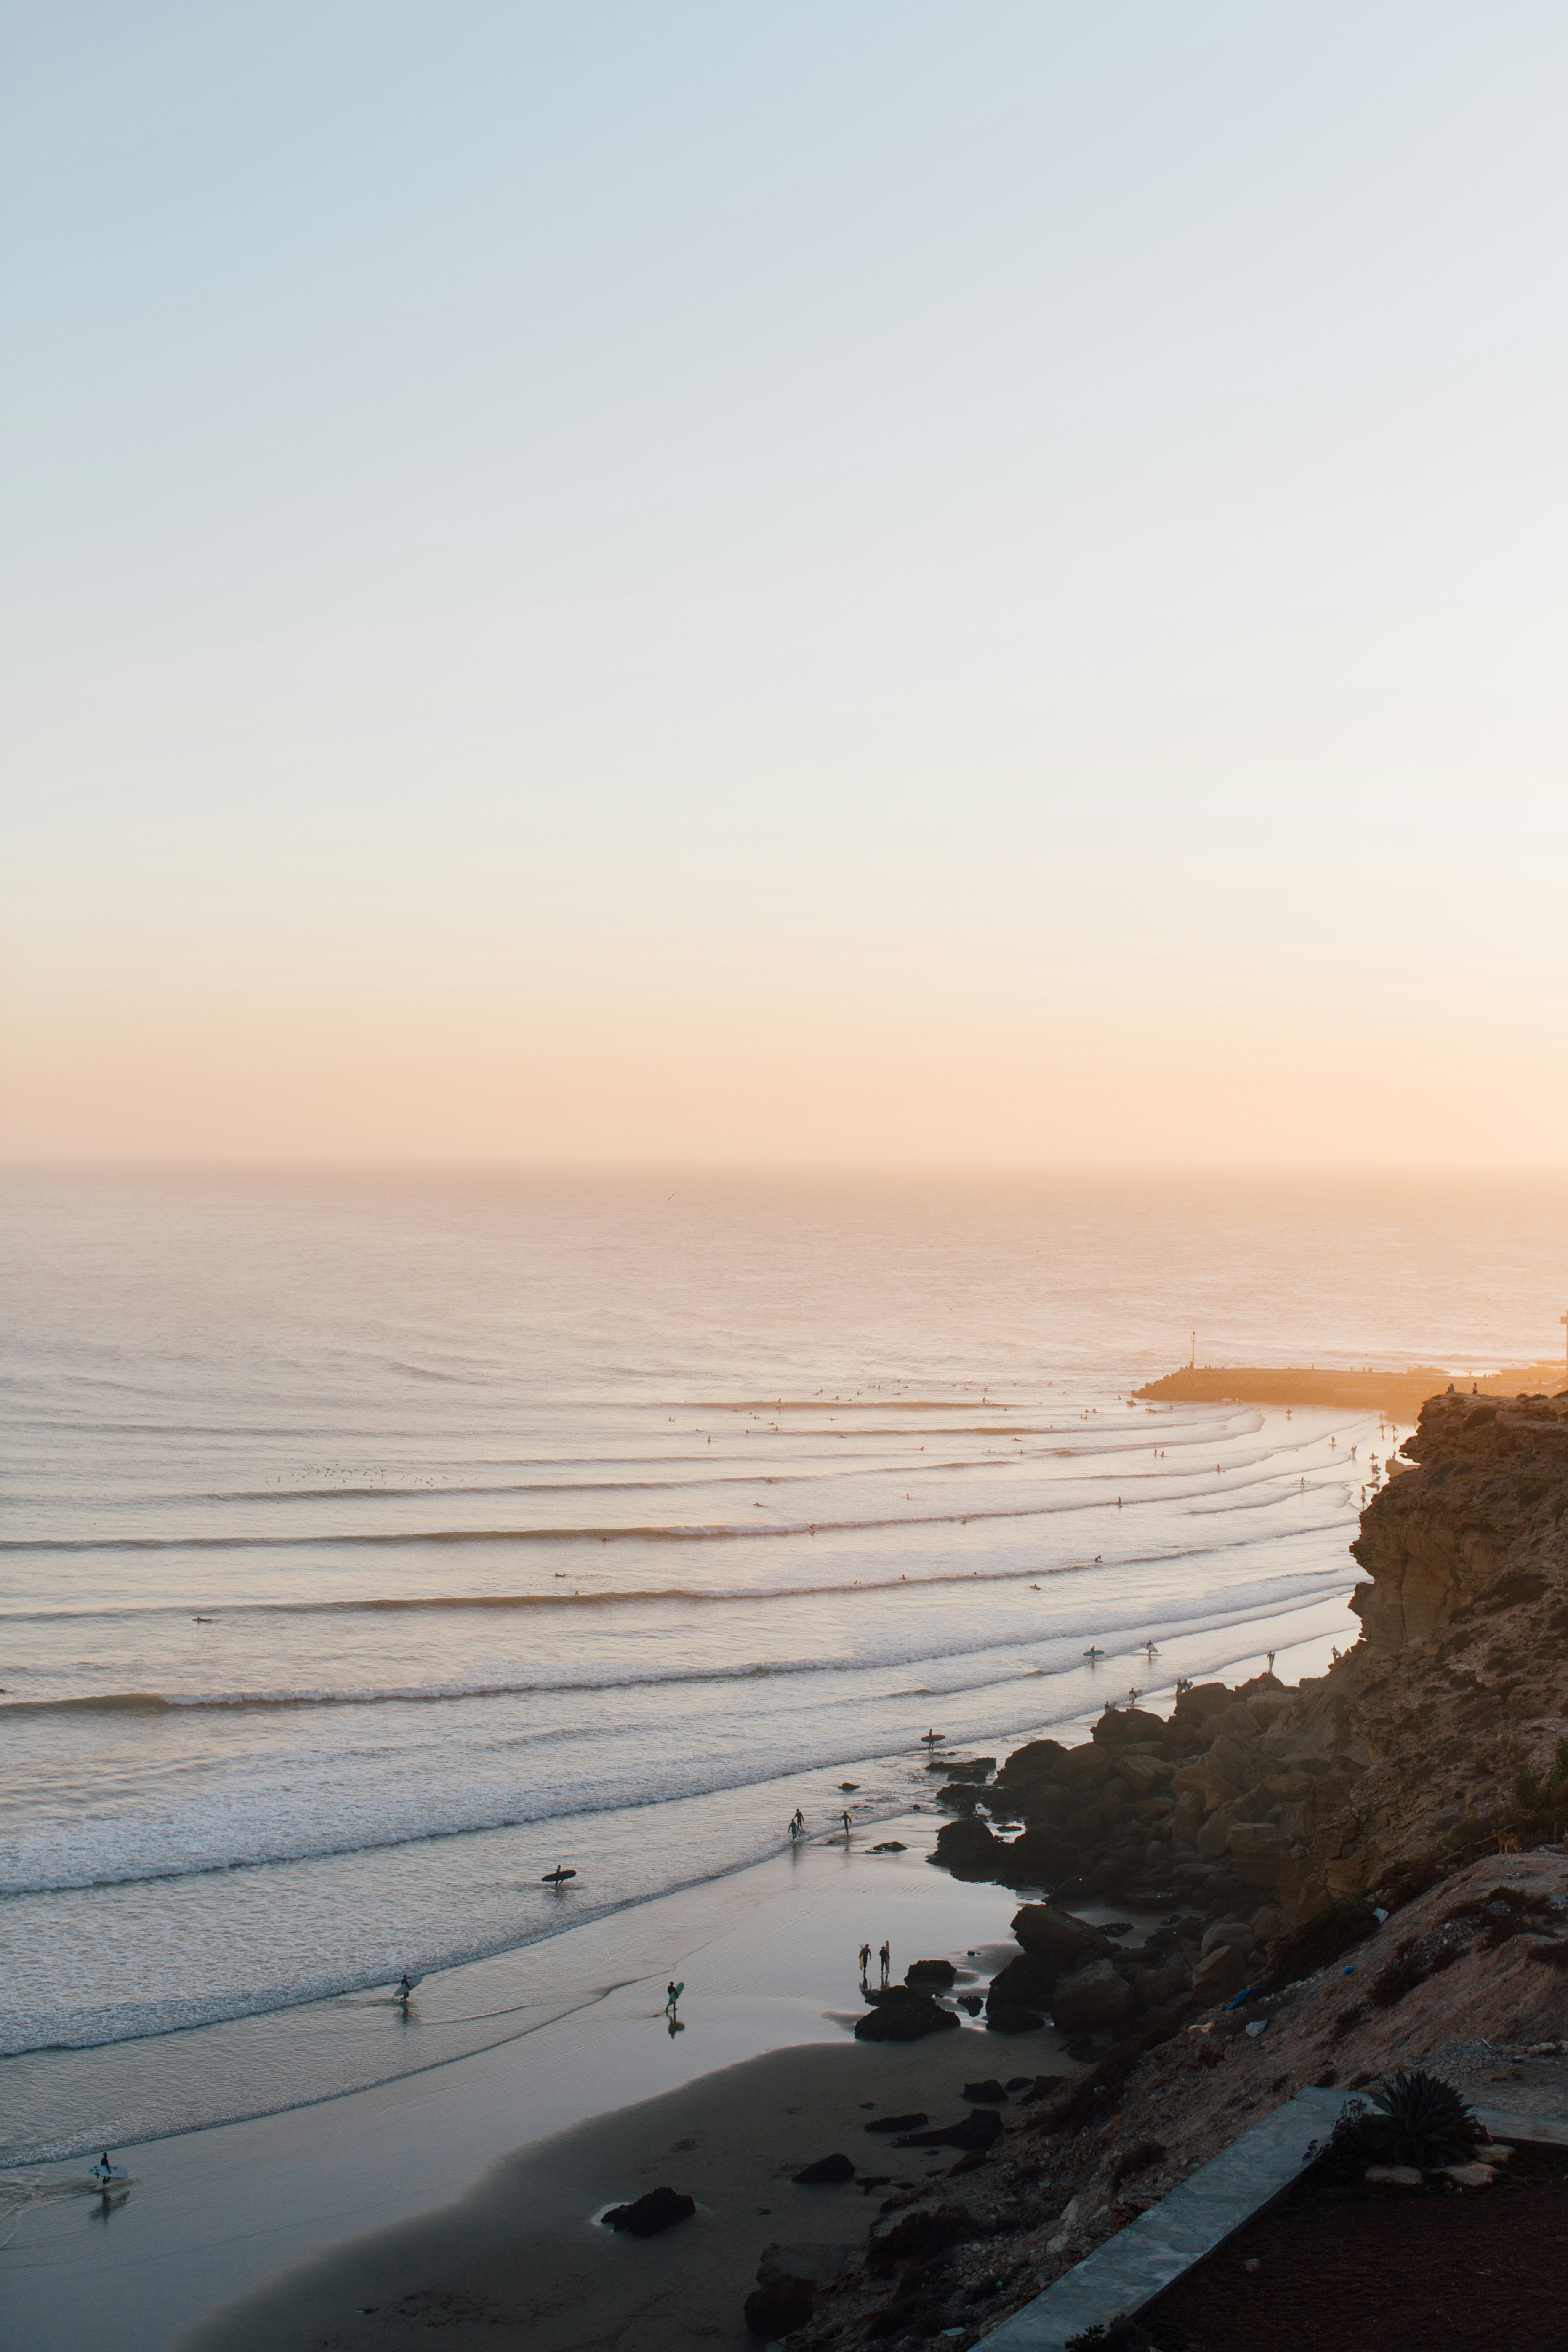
(1399, 1393)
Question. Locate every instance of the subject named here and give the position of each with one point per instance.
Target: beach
(430, 2177)
(479, 2177)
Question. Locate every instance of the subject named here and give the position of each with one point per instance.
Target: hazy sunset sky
(871, 581)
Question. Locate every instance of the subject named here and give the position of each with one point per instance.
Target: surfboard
(554, 1877)
(105, 2173)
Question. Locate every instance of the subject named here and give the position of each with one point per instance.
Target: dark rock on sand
(972, 2001)
(899, 2123)
(1009, 2017)
(826, 2170)
(978, 1768)
(1025, 1983)
(1058, 1939)
(909, 2020)
(890, 1845)
(988, 2094)
(777, 2310)
(646, 2216)
(966, 1849)
(977, 2130)
(931, 1972)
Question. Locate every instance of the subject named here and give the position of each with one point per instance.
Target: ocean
(374, 1542)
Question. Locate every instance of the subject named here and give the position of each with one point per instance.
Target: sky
(875, 583)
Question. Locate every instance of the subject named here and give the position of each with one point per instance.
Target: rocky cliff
(1261, 1806)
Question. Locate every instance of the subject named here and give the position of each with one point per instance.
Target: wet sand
(524, 2252)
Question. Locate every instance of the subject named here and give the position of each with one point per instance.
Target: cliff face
(1262, 1805)
(1490, 1493)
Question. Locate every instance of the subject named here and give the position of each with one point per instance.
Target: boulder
(646, 2216)
(1213, 1838)
(1126, 1726)
(1036, 1761)
(1057, 1938)
(899, 2123)
(1144, 1774)
(1219, 1974)
(931, 1972)
(909, 2020)
(1256, 1841)
(1011, 2016)
(978, 1768)
(967, 1849)
(988, 2094)
(824, 2172)
(1026, 1982)
(890, 1845)
(1200, 1704)
(778, 2310)
(1227, 1931)
(1188, 1818)
(919, 2235)
(1096, 1995)
(1238, 1761)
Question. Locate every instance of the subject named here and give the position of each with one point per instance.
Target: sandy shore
(524, 2252)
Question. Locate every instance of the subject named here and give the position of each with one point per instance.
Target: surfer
(672, 1993)
(864, 1961)
(886, 1957)
(406, 1987)
(845, 1818)
(797, 1823)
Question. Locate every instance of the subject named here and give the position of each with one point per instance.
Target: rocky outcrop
(905, 2014)
(1262, 1805)
(1479, 1524)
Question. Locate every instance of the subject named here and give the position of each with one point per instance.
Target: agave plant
(1420, 2119)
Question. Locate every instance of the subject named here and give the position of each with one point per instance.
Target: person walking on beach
(672, 1994)
(797, 1822)
(845, 1818)
(886, 1957)
(865, 1960)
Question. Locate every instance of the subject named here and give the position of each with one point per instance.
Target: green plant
(1418, 2119)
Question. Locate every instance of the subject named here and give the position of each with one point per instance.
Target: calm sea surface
(374, 1543)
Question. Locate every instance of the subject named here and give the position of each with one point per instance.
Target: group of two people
(797, 1823)
(884, 1956)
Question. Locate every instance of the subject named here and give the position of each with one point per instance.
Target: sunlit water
(372, 1544)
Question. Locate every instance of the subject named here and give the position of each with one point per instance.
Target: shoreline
(767, 1955)
(142, 2089)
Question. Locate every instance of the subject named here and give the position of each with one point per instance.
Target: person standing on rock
(886, 1957)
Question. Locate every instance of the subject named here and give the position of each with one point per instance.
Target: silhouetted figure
(886, 1957)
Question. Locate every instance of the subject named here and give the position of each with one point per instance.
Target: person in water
(845, 1818)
